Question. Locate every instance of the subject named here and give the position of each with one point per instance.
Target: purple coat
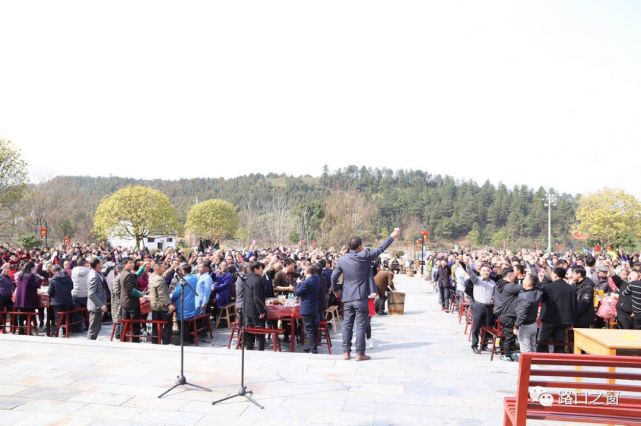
(27, 291)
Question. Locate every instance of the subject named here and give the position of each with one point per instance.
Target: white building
(152, 242)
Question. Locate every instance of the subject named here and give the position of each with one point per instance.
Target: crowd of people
(110, 284)
(538, 298)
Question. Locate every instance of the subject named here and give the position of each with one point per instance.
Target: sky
(544, 93)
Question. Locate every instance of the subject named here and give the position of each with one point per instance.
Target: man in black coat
(584, 298)
(505, 301)
(624, 308)
(59, 290)
(444, 279)
(254, 307)
(558, 312)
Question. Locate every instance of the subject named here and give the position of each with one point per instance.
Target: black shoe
(381, 313)
(476, 351)
(314, 351)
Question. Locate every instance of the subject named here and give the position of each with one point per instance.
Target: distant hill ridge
(450, 208)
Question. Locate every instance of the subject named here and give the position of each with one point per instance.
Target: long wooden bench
(553, 387)
(274, 332)
(63, 319)
(127, 329)
(13, 318)
(198, 324)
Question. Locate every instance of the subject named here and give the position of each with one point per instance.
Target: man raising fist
(356, 268)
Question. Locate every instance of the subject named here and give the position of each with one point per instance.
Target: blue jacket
(190, 297)
(309, 293)
(356, 270)
(222, 288)
(203, 290)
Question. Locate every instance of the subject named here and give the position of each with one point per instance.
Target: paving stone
(57, 393)
(7, 403)
(422, 372)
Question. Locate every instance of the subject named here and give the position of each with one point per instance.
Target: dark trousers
(368, 328)
(552, 334)
(6, 304)
(380, 302)
(187, 337)
(481, 315)
(444, 296)
(250, 339)
(507, 325)
(22, 319)
(625, 320)
(355, 312)
(77, 317)
(135, 327)
(637, 321)
(166, 328)
(55, 319)
(310, 324)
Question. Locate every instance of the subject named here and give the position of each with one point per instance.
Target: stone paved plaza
(422, 372)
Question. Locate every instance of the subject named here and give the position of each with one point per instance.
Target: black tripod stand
(243, 389)
(182, 380)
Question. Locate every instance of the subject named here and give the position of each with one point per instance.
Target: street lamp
(550, 200)
(426, 236)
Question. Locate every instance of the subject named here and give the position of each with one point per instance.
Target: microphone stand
(243, 389)
(181, 380)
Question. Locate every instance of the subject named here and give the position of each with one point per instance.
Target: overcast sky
(537, 93)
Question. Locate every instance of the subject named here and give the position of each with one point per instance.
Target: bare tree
(278, 217)
(347, 214)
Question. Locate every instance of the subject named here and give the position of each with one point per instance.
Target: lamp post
(550, 200)
(425, 235)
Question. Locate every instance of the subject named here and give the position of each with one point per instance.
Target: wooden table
(598, 341)
(287, 313)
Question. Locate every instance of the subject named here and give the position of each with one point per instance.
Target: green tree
(294, 237)
(136, 212)
(474, 237)
(499, 238)
(610, 216)
(216, 219)
(13, 174)
(67, 228)
(28, 241)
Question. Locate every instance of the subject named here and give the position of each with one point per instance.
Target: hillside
(449, 208)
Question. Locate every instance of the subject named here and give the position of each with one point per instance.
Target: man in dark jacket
(505, 300)
(527, 309)
(309, 292)
(584, 298)
(444, 280)
(355, 267)
(558, 312)
(254, 307)
(130, 296)
(633, 289)
(60, 299)
(624, 308)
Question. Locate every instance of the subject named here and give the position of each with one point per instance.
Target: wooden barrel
(396, 303)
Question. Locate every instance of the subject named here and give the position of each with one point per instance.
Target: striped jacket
(634, 289)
